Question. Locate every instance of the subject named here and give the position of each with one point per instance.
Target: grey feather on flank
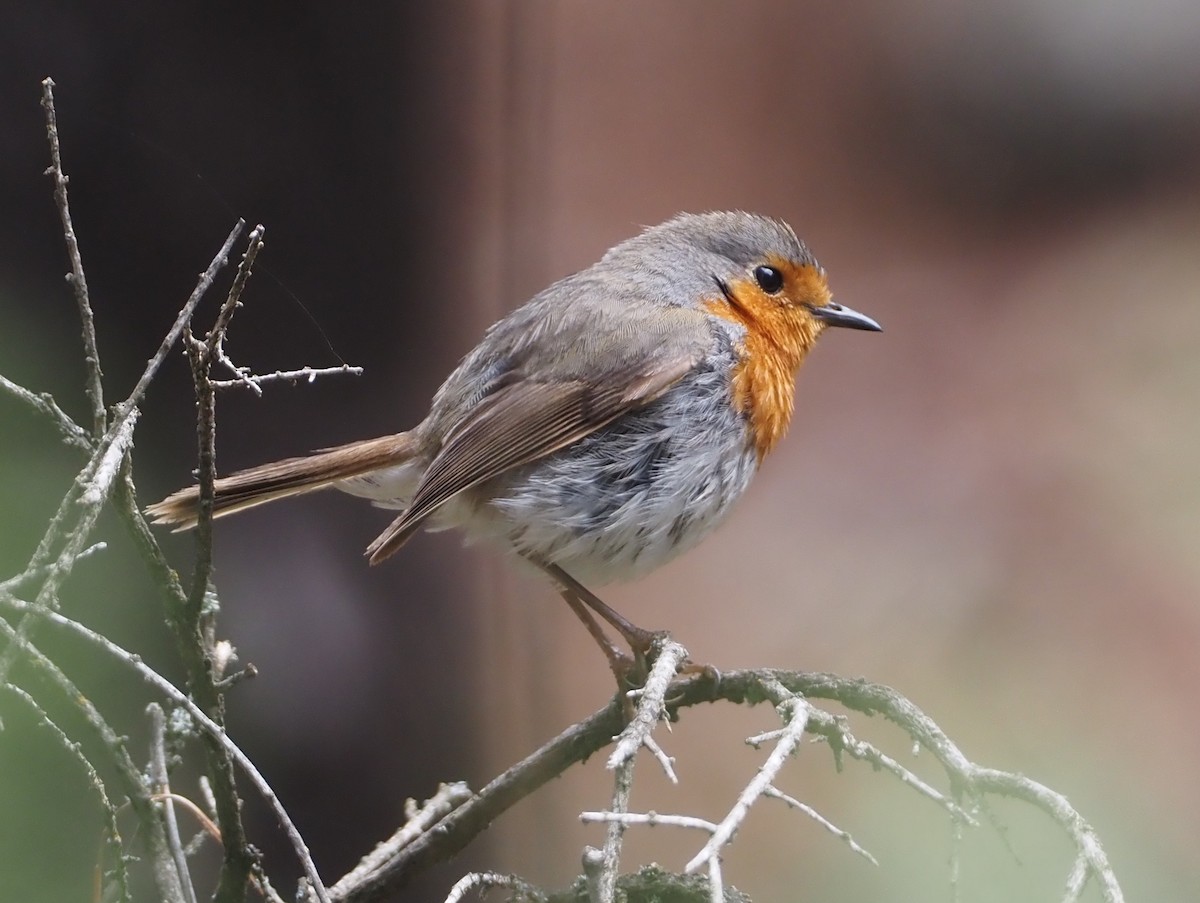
(522, 423)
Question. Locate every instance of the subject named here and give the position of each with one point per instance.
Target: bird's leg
(580, 598)
(619, 663)
(639, 639)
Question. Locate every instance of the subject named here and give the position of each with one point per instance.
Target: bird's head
(762, 278)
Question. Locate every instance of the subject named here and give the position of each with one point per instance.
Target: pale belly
(628, 498)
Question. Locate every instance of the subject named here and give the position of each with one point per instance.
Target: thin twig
(739, 686)
(95, 493)
(716, 883)
(12, 584)
(162, 793)
(650, 820)
(91, 354)
(239, 859)
(1077, 880)
(233, 300)
(254, 382)
(665, 762)
(119, 430)
(184, 317)
(966, 778)
(716, 886)
(91, 488)
(833, 729)
(957, 830)
(795, 710)
(205, 817)
(112, 832)
(72, 433)
(821, 820)
(241, 375)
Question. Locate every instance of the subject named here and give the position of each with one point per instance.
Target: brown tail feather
(281, 479)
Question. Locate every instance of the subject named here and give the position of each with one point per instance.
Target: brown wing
(522, 422)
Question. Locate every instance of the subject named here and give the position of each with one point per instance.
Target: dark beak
(837, 315)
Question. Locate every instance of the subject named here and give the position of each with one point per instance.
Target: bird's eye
(769, 279)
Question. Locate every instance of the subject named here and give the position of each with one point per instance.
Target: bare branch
(234, 299)
(162, 793)
(91, 355)
(193, 633)
(716, 883)
(594, 858)
(1077, 880)
(96, 492)
(606, 888)
(184, 316)
(485, 881)
(740, 686)
(201, 355)
(208, 827)
(239, 860)
(651, 703)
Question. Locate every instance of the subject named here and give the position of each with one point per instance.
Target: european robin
(604, 427)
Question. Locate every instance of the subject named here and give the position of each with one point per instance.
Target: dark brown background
(993, 506)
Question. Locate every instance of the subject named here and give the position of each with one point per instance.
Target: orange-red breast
(605, 426)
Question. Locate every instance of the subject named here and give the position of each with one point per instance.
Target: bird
(602, 428)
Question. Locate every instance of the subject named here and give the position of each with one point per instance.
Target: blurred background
(993, 506)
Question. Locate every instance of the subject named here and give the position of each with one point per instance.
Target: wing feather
(522, 421)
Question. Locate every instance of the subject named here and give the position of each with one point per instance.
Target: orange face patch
(780, 331)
